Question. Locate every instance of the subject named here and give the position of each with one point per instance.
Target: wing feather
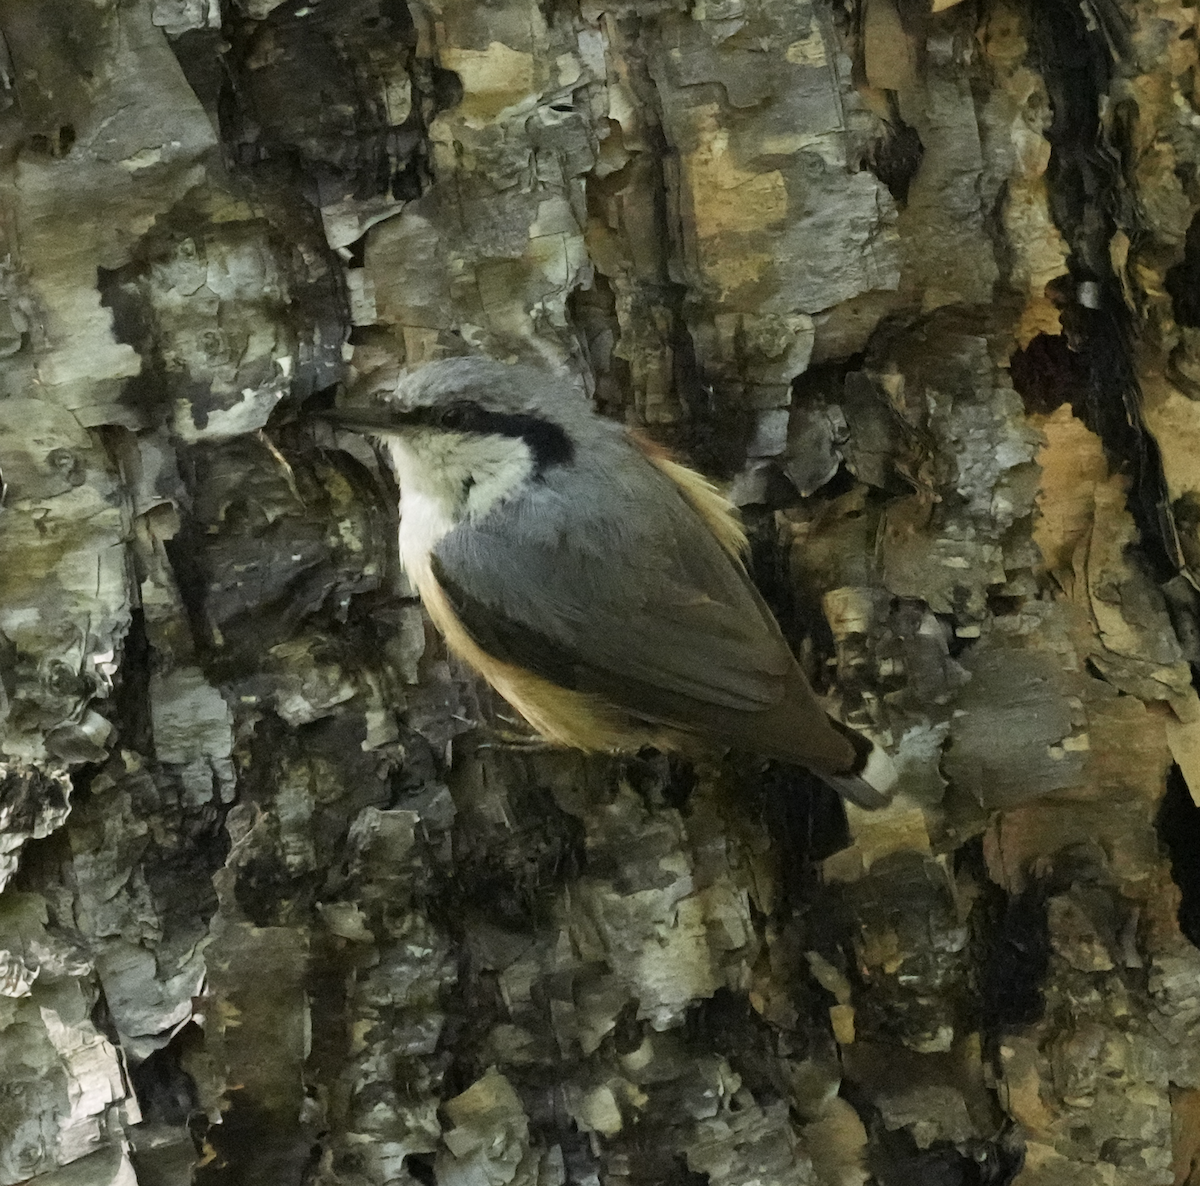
(623, 605)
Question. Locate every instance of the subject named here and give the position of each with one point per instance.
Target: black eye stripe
(548, 443)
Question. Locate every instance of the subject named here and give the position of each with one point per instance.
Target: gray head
(466, 435)
(467, 398)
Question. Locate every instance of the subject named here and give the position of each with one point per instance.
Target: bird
(598, 584)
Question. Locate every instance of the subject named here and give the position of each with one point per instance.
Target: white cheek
(497, 476)
(435, 472)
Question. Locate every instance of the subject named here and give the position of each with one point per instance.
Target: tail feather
(873, 788)
(871, 783)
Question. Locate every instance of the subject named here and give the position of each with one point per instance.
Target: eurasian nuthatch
(594, 582)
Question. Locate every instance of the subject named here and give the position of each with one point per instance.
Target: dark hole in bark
(717, 431)
(358, 336)
(420, 1166)
(796, 607)
(1178, 826)
(130, 322)
(1048, 373)
(268, 893)
(680, 782)
(358, 251)
(727, 1022)
(1183, 280)
(166, 1093)
(1018, 952)
(807, 822)
(895, 1160)
(648, 772)
(408, 181)
(447, 88)
(896, 156)
(131, 693)
(581, 1163)
(396, 11)
(1003, 605)
(841, 483)
(102, 1019)
(1124, 1152)
(1012, 944)
(512, 875)
(956, 643)
(628, 1032)
(57, 145)
(255, 1144)
(805, 812)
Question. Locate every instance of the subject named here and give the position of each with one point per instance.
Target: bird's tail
(871, 783)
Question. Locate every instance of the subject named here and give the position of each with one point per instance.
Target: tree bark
(287, 898)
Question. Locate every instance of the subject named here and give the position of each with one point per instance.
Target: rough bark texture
(282, 901)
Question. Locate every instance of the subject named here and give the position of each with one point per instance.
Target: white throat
(446, 478)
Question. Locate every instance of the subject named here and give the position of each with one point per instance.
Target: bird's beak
(363, 419)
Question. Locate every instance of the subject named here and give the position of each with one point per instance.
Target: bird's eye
(452, 417)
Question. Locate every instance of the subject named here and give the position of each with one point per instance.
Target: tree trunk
(287, 898)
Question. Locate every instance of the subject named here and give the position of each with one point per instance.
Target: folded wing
(650, 615)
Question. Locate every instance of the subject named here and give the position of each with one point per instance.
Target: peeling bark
(287, 897)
